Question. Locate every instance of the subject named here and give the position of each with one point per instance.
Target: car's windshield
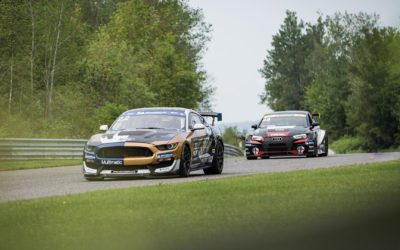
(150, 120)
(284, 120)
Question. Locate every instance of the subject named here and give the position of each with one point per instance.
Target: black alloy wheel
(184, 167)
(218, 161)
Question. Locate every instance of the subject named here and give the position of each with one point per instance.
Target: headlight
(257, 138)
(300, 136)
(170, 146)
(90, 148)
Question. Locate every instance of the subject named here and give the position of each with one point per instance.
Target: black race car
(287, 133)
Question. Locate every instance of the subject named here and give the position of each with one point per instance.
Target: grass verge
(15, 165)
(307, 209)
(351, 145)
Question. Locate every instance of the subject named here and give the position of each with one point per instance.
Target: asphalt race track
(35, 183)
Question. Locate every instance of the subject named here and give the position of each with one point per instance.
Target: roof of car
(289, 112)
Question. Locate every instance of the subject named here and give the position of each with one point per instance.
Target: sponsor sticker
(277, 134)
(268, 117)
(111, 162)
(156, 112)
(164, 155)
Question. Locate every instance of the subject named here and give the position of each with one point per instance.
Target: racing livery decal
(155, 141)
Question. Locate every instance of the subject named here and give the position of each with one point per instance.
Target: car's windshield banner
(284, 115)
(173, 113)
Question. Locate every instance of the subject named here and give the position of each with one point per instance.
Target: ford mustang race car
(155, 141)
(287, 133)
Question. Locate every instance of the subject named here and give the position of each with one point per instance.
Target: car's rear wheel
(218, 161)
(184, 167)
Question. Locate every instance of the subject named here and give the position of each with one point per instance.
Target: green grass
(14, 165)
(354, 144)
(348, 145)
(269, 208)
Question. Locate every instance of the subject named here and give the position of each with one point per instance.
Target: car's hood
(137, 135)
(281, 131)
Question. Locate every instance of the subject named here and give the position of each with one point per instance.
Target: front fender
(321, 137)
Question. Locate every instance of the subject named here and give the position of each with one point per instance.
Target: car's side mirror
(314, 124)
(254, 126)
(219, 117)
(198, 126)
(103, 128)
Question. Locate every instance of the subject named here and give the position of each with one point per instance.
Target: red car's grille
(278, 147)
(121, 152)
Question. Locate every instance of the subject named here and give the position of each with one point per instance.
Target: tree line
(67, 66)
(345, 67)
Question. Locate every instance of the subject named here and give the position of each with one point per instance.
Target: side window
(194, 119)
(309, 120)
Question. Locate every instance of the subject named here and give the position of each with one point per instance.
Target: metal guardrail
(40, 149)
(232, 150)
(57, 149)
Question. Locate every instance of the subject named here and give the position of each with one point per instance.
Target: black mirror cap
(254, 126)
(219, 117)
(314, 124)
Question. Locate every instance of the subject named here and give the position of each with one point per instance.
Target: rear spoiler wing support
(213, 115)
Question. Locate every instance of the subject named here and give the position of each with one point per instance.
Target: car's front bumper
(130, 171)
(155, 162)
(286, 147)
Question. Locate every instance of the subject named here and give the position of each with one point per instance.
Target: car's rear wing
(213, 115)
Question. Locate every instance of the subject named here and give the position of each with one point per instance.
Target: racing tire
(251, 157)
(184, 166)
(217, 164)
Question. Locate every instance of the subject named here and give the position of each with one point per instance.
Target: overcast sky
(242, 34)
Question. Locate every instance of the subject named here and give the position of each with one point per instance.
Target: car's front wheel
(218, 161)
(184, 167)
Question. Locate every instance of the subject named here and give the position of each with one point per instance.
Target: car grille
(277, 147)
(278, 144)
(121, 152)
